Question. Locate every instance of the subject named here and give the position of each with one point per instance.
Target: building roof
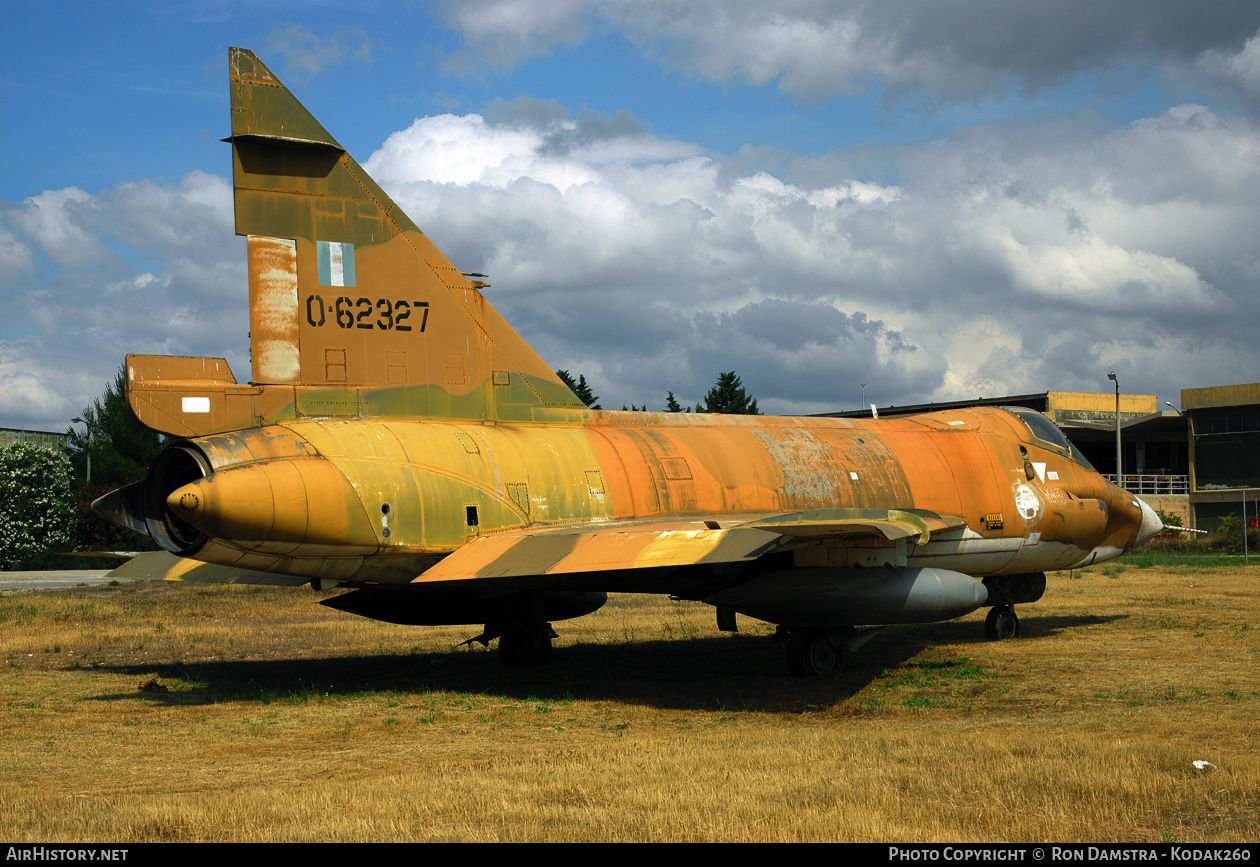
(1220, 395)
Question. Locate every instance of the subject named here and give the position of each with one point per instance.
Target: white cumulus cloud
(1005, 258)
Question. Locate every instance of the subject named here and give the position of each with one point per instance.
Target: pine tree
(672, 404)
(728, 396)
(122, 448)
(580, 389)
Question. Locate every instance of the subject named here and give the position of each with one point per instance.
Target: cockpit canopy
(1048, 432)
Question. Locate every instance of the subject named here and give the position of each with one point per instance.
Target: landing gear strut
(526, 646)
(1001, 623)
(524, 635)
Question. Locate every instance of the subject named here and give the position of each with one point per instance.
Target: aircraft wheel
(525, 647)
(810, 652)
(1002, 623)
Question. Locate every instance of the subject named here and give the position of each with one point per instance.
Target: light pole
(1119, 469)
(88, 450)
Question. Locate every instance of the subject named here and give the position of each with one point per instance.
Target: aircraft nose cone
(1151, 524)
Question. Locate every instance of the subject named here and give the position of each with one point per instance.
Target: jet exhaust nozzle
(142, 507)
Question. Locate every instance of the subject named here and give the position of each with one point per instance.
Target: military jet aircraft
(399, 438)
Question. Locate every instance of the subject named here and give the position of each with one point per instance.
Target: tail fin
(353, 310)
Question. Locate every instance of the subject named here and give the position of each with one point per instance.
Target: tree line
(727, 395)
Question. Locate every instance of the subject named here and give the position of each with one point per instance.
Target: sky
(908, 200)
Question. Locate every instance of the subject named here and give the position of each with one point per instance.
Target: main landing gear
(520, 624)
(1001, 623)
(531, 645)
(812, 651)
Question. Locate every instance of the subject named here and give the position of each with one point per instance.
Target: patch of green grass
(19, 612)
(1145, 558)
(541, 705)
(301, 695)
(51, 608)
(934, 683)
(903, 679)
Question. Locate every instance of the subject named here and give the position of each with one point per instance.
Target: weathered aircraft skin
(400, 438)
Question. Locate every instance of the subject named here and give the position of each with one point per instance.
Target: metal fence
(1140, 483)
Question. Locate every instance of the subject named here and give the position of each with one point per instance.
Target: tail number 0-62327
(365, 313)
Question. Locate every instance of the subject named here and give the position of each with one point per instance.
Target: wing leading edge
(646, 545)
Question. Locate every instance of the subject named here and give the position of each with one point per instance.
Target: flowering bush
(35, 502)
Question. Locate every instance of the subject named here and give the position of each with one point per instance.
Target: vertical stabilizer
(351, 305)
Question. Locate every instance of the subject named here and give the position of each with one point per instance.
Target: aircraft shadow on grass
(724, 672)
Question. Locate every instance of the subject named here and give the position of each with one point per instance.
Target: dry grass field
(284, 721)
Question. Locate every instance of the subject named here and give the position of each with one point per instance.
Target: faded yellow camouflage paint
(412, 484)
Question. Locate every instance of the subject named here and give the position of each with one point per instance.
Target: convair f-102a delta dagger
(398, 438)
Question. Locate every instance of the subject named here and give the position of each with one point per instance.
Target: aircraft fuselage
(383, 500)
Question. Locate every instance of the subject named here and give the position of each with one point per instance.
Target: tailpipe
(142, 506)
